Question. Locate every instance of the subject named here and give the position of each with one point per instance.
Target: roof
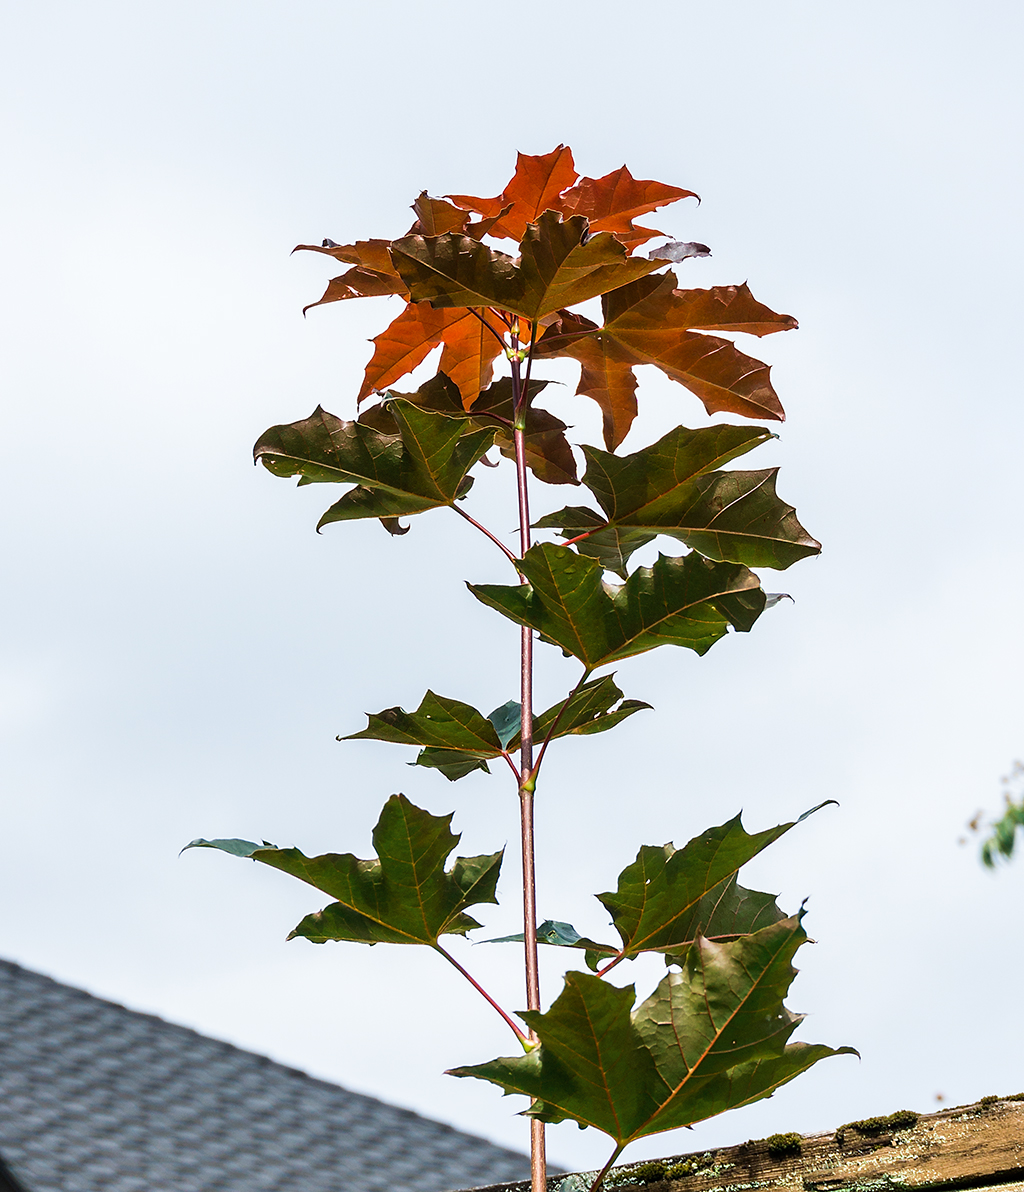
(97, 1097)
(979, 1146)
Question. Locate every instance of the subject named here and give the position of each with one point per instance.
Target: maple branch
(604, 1170)
(554, 724)
(484, 530)
(538, 1159)
(483, 992)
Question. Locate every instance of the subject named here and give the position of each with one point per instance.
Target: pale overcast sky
(180, 648)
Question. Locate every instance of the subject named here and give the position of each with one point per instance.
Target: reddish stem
(538, 1163)
(554, 724)
(512, 766)
(580, 537)
(604, 1170)
(499, 338)
(483, 530)
(611, 964)
(483, 992)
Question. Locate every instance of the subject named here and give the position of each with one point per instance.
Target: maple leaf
(468, 357)
(606, 373)
(435, 216)
(650, 321)
(711, 1037)
(688, 601)
(420, 461)
(373, 274)
(371, 254)
(404, 895)
(673, 487)
(561, 264)
(612, 203)
(535, 188)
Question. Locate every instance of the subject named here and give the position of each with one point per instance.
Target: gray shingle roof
(98, 1098)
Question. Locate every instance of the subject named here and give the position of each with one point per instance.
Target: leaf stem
(483, 530)
(513, 767)
(611, 964)
(525, 398)
(571, 335)
(483, 992)
(604, 1170)
(585, 534)
(554, 724)
(538, 1161)
(499, 338)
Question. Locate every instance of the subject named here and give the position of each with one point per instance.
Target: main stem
(520, 399)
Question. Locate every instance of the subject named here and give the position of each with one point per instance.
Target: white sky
(180, 648)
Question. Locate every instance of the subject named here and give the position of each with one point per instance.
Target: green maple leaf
(671, 488)
(548, 453)
(456, 270)
(593, 708)
(457, 739)
(685, 602)
(611, 545)
(712, 1037)
(404, 895)
(668, 897)
(424, 466)
(454, 737)
(560, 265)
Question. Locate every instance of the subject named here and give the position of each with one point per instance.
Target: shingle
(98, 1098)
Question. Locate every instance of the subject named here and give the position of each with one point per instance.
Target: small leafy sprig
(715, 1034)
(1002, 832)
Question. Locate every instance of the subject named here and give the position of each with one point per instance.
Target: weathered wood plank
(972, 1146)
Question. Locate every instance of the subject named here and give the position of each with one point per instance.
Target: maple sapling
(715, 1034)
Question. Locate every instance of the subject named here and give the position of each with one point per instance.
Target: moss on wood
(784, 1146)
(902, 1119)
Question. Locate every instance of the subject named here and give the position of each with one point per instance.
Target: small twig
(554, 724)
(483, 992)
(604, 1170)
(484, 530)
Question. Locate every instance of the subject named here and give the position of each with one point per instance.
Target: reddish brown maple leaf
(536, 187)
(470, 350)
(606, 373)
(612, 203)
(649, 321)
(373, 274)
(468, 357)
(434, 217)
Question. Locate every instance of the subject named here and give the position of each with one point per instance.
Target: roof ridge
(165, 1023)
